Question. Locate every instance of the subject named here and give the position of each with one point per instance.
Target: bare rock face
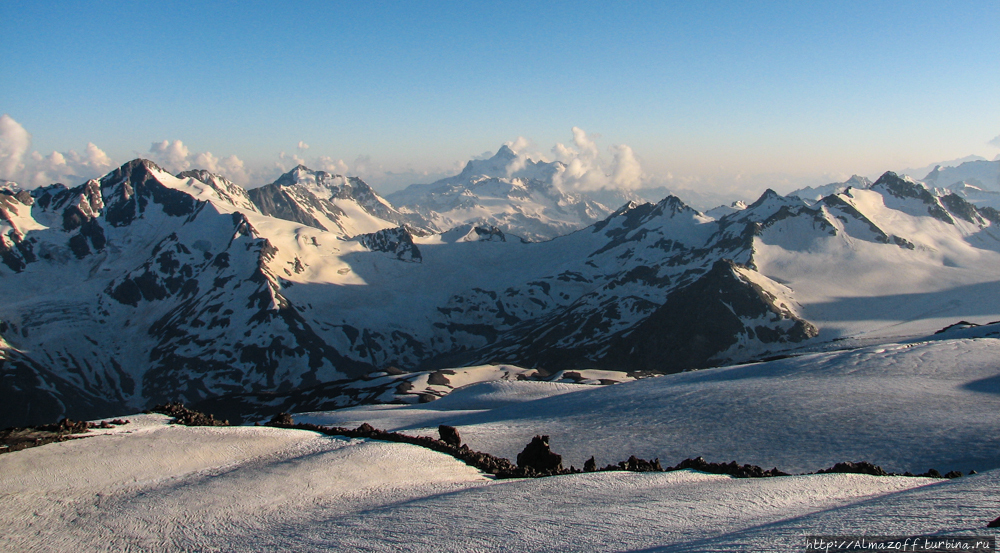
(994, 524)
(539, 457)
(449, 435)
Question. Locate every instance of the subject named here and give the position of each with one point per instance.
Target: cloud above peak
(172, 156)
(995, 142)
(36, 169)
(15, 142)
(587, 169)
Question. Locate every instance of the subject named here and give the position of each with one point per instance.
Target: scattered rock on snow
(861, 467)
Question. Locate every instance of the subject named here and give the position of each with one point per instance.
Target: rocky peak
(129, 189)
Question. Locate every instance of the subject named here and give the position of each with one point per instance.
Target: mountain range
(142, 286)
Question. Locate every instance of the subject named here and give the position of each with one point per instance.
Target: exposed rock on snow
(537, 456)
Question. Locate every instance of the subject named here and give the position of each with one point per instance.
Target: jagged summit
(814, 194)
(511, 192)
(346, 205)
(506, 164)
(143, 286)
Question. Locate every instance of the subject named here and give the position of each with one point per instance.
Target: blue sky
(714, 95)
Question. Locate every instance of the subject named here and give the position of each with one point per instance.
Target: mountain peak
(857, 181)
(890, 178)
(505, 153)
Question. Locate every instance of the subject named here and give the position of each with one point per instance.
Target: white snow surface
(151, 486)
(905, 407)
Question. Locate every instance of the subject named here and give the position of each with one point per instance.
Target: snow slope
(144, 287)
(813, 194)
(906, 407)
(154, 487)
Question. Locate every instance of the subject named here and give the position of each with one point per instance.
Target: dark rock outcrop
(187, 417)
(396, 241)
(701, 320)
(732, 469)
(16, 439)
(449, 435)
(860, 467)
(537, 456)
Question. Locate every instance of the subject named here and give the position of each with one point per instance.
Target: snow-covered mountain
(723, 210)
(931, 403)
(981, 174)
(346, 205)
(512, 193)
(814, 194)
(143, 286)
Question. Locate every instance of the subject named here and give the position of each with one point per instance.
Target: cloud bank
(584, 165)
(35, 169)
(176, 157)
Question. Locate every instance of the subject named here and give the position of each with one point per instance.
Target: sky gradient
(722, 96)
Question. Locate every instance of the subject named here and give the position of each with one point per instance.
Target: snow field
(906, 407)
(152, 487)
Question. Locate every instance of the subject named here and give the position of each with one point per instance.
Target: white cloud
(172, 156)
(303, 146)
(625, 169)
(96, 157)
(521, 143)
(70, 168)
(230, 167)
(176, 157)
(995, 142)
(35, 169)
(586, 169)
(365, 167)
(14, 144)
(330, 165)
(588, 148)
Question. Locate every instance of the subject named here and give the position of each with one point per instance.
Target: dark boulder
(449, 435)
(538, 456)
(994, 524)
(590, 465)
(281, 419)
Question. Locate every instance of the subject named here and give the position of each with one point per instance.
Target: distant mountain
(723, 210)
(814, 194)
(974, 194)
(513, 194)
(919, 172)
(346, 205)
(142, 287)
(518, 195)
(981, 174)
